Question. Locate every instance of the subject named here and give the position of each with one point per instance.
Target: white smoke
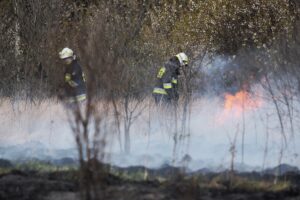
(46, 124)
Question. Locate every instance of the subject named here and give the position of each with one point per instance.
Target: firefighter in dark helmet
(166, 88)
(74, 86)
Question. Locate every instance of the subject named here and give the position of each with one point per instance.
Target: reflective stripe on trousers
(77, 98)
(159, 91)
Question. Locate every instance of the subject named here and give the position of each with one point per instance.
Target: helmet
(66, 53)
(183, 59)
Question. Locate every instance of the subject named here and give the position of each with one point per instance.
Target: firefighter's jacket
(75, 88)
(167, 80)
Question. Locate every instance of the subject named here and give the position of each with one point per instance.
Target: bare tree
(266, 149)
(233, 152)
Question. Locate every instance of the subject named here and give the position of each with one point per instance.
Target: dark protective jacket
(75, 88)
(167, 80)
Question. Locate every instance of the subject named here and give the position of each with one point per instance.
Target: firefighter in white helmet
(166, 88)
(75, 88)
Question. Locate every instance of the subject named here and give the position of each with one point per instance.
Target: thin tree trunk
(243, 128)
(266, 144)
(278, 111)
(127, 122)
(117, 121)
(17, 38)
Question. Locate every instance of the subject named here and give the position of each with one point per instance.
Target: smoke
(263, 130)
(23, 122)
(46, 126)
(221, 74)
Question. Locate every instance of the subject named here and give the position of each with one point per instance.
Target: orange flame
(236, 105)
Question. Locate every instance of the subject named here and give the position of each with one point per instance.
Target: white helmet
(66, 53)
(183, 59)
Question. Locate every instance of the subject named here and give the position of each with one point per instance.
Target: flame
(237, 104)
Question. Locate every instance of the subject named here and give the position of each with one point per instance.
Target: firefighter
(166, 88)
(74, 86)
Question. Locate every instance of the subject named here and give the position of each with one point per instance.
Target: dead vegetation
(62, 184)
(120, 44)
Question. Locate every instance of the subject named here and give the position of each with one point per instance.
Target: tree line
(126, 41)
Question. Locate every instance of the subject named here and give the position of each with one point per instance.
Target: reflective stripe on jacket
(166, 79)
(174, 81)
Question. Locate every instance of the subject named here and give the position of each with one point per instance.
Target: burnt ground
(64, 185)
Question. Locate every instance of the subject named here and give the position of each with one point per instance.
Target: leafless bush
(115, 88)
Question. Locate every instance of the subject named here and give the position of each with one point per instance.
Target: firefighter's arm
(79, 72)
(68, 79)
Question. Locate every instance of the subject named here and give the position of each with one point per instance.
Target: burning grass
(235, 105)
